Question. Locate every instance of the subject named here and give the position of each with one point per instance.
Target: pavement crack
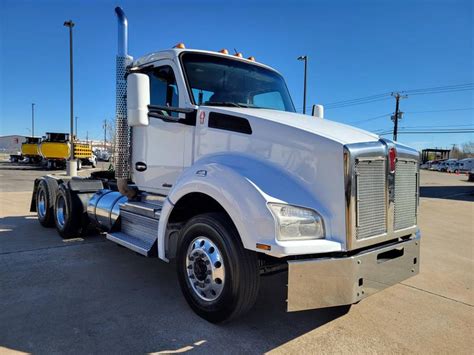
(435, 294)
(52, 247)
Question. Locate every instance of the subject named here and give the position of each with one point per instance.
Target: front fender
(244, 186)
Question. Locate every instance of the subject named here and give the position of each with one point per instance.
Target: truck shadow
(461, 193)
(92, 296)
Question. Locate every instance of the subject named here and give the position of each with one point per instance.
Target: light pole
(32, 119)
(71, 166)
(77, 137)
(305, 58)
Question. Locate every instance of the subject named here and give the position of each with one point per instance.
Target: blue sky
(355, 49)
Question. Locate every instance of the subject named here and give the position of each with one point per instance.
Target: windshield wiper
(221, 103)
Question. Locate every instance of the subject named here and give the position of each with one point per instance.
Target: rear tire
(218, 277)
(44, 208)
(68, 214)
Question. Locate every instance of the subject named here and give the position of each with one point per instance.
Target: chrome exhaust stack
(123, 132)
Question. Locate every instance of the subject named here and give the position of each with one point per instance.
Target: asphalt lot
(90, 296)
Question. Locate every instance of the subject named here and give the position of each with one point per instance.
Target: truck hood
(339, 132)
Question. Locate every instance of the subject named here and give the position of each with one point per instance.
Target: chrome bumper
(319, 283)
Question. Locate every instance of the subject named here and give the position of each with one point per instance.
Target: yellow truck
(55, 149)
(29, 151)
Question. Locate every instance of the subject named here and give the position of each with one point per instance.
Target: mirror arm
(155, 111)
(154, 108)
(163, 117)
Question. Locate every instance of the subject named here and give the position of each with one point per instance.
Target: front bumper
(328, 282)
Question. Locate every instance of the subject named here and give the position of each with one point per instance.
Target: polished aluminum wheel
(205, 269)
(61, 211)
(41, 198)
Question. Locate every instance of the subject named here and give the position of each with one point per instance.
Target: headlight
(294, 223)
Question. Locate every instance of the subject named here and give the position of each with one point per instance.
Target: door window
(163, 88)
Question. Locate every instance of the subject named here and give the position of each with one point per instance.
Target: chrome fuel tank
(103, 208)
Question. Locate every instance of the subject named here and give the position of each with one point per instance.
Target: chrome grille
(371, 214)
(405, 194)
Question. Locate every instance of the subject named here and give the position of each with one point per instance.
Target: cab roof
(174, 53)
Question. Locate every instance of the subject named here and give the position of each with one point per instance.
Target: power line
(371, 97)
(444, 87)
(386, 95)
(455, 131)
(370, 119)
(436, 127)
(359, 103)
(440, 91)
(445, 110)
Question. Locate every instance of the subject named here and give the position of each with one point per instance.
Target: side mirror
(318, 111)
(138, 99)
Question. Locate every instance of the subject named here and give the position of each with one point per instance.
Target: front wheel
(218, 277)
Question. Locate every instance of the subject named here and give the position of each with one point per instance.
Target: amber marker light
(224, 51)
(239, 55)
(264, 247)
(180, 46)
(251, 58)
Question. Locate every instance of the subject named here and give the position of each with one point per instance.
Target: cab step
(138, 227)
(138, 245)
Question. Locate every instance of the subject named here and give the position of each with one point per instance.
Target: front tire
(218, 277)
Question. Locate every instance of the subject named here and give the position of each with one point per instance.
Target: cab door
(160, 150)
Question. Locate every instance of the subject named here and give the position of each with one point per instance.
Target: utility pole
(87, 137)
(32, 119)
(71, 165)
(398, 115)
(305, 58)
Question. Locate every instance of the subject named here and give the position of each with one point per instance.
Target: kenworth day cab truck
(217, 171)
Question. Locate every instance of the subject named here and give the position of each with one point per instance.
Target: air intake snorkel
(122, 146)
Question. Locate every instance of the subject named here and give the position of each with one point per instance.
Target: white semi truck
(217, 171)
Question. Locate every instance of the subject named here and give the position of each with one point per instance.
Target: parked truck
(55, 149)
(217, 171)
(29, 151)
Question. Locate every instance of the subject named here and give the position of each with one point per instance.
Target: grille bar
(371, 204)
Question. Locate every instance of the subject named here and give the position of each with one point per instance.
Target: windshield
(217, 81)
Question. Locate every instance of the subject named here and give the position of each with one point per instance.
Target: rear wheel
(68, 214)
(218, 277)
(44, 208)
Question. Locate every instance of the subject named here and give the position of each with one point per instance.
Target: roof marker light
(251, 58)
(180, 46)
(224, 51)
(239, 55)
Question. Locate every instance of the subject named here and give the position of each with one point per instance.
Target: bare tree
(466, 150)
